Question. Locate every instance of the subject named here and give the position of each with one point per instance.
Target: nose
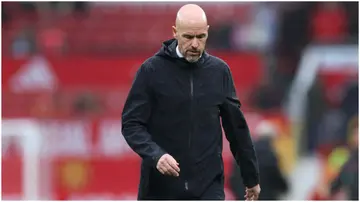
(195, 43)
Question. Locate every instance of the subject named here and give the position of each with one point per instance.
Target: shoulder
(152, 63)
(148, 64)
(218, 63)
(151, 67)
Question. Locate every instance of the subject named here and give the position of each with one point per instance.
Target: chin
(192, 59)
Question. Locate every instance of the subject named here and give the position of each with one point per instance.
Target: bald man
(171, 118)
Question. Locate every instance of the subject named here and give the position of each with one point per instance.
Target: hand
(167, 165)
(252, 193)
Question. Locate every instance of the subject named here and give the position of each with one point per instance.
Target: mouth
(194, 52)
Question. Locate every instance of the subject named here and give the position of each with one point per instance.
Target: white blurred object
(260, 31)
(34, 75)
(332, 58)
(304, 178)
(28, 133)
(266, 129)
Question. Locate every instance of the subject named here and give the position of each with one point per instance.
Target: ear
(174, 30)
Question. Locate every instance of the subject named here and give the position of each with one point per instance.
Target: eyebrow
(197, 36)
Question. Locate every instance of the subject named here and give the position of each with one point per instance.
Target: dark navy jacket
(177, 107)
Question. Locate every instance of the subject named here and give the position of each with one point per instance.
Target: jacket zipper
(191, 107)
(191, 117)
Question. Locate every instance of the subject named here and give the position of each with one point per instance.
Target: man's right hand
(252, 193)
(167, 165)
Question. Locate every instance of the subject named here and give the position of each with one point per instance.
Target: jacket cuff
(156, 158)
(252, 182)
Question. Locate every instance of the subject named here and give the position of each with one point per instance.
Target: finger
(167, 172)
(161, 170)
(250, 195)
(174, 165)
(164, 167)
(173, 162)
(247, 194)
(170, 170)
(175, 168)
(173, 172)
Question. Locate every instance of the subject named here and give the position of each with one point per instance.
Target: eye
(187, 36)
(200, 36)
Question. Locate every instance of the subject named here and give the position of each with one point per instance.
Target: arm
(135, 117)
(238, 134)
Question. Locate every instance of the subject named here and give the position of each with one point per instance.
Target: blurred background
(67, 68)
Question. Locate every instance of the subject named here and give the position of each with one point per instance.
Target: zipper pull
(186, 185)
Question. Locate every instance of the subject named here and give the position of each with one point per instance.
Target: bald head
(191, 14)
(191, 31)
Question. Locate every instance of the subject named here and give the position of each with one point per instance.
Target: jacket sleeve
(238, 134)
(135, 116)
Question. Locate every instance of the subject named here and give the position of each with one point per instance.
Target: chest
(181, 86)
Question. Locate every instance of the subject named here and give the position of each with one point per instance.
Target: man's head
(191, 31)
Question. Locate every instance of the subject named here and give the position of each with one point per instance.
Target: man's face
(191, 40)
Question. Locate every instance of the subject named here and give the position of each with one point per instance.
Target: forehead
(193, 28)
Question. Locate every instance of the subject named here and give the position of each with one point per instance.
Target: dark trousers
(215, 191)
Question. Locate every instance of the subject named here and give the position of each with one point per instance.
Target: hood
(168, 50)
